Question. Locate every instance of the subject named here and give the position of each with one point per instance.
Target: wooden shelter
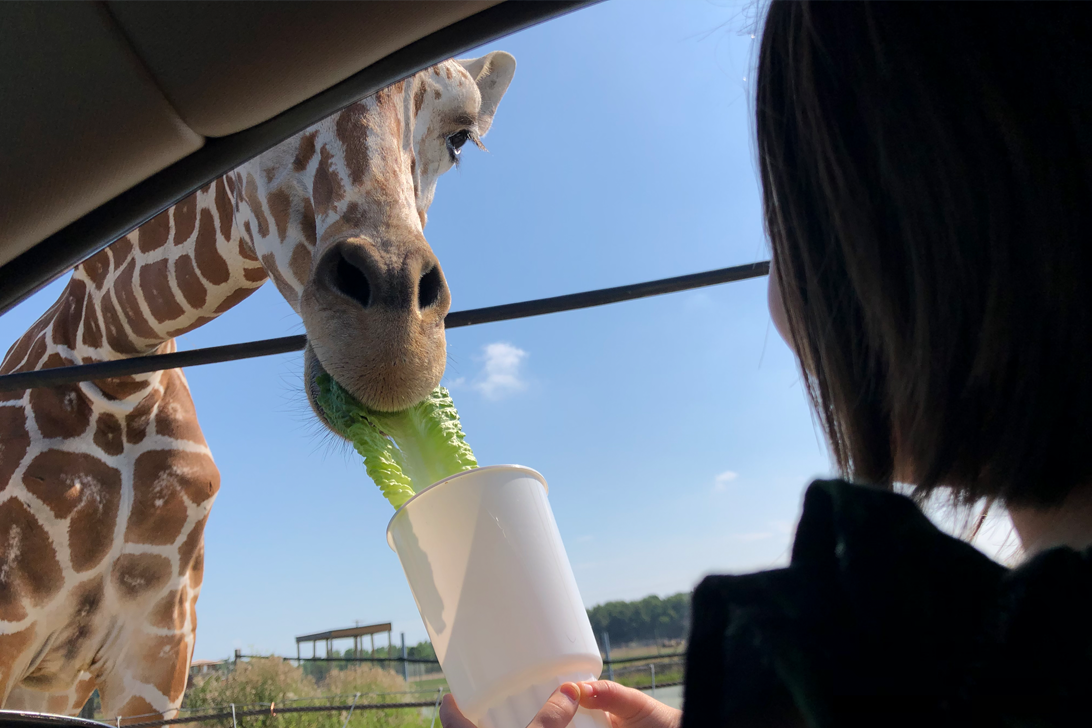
(355, 632)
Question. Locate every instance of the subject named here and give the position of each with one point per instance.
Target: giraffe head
(344, 240)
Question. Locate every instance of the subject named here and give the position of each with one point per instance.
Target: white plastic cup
(490, 576)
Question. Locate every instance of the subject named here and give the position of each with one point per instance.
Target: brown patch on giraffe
(223, 206)
(191, 285)
(307, 223)
(137, 575)
(83, 691)
(129, 302)
(97, 268)
(197, 573)
(437, 95)
(29, 570)
(169, 479)
(300, 263)
(209, 261)
(12, 646)
(166, 660)
(419, 98)
(108, 435)
(233, 299)
(120, 250)
(153, 234)
(92, 329)
(270, 173)
(121, 387)
(169, 612)
(254, 275)
(255, 201)
(86, 599)
(138, 419)
(246, 252)
(17, 354)
(270, 263)
(116, 336)
(68, 312)
(57, 704)
(185, 219)
(175, 416)
(155, 285)
(230, 181)
(327, 189)
(136, 706)
(191, 552)
(352, 131)
(280, 207)
(62, 411)
(196, 324)
(14, 441)
(86, 491)
(306, 151)
(247, 230)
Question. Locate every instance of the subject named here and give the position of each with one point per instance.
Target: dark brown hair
(927, 181)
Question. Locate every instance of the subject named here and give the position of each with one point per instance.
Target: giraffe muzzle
(374, 314)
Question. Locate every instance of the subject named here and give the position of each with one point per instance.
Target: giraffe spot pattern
(164, 660)
(300, 263)
(209, 261)
(136, 706)
(68, 312)
(223, 205)
(62, 411)
(169, 479)
(305, 152)
(19, 356)
(245, 251)
(195, 324)
(136, 575)
(86, 600)
(120, 387)
(255, 202)
(352, 131)
(138, 419)
(108, 434)
(86, 491)
(307, 223)
(234, 298)
(419, 98)
(116, 336)
(29, 570)
(169, 612)
(12, 646)
(153, 234)
(97, 268)
(191, 553)
(192, 287)
(14, 442)
(91, 330)
(128, 300)
(162, 304)
(327, 189)
(120, 250)
(254, 275)
(185, 219)
(280, 207)
(175, 416)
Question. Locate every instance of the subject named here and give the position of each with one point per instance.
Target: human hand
(625, 707)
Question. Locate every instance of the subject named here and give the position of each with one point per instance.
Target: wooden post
(297, 652)
(390, 643)
(405, 665)
(606, 649)
(372, 635)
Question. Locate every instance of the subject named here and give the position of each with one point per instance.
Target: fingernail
(571, 691)
(588, 689)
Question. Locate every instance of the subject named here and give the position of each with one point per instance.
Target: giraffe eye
(455, 142)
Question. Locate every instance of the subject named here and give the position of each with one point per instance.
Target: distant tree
(644, 620)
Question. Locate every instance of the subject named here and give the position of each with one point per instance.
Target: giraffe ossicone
(105, 487)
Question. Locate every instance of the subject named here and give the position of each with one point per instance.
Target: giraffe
(105, 487)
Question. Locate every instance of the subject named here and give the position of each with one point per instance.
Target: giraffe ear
(492, 72)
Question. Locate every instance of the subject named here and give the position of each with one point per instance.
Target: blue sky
(674, 431)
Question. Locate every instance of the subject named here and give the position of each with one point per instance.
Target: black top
(881, 617)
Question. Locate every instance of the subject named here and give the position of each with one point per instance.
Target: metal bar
(285, 344)
(280, 711)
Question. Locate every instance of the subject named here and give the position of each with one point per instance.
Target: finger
(559, 709)
(451, 716)
(632, 707)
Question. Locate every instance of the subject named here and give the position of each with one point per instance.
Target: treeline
(647, 620)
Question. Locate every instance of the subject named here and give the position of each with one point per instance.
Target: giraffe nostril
(429, 288)
(351, 281)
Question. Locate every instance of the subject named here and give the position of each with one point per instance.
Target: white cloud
(501, 376)
(721, 481)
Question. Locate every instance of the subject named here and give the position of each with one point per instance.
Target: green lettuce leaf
(403, 451)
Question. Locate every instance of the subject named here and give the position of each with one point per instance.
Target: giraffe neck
(178, 271)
